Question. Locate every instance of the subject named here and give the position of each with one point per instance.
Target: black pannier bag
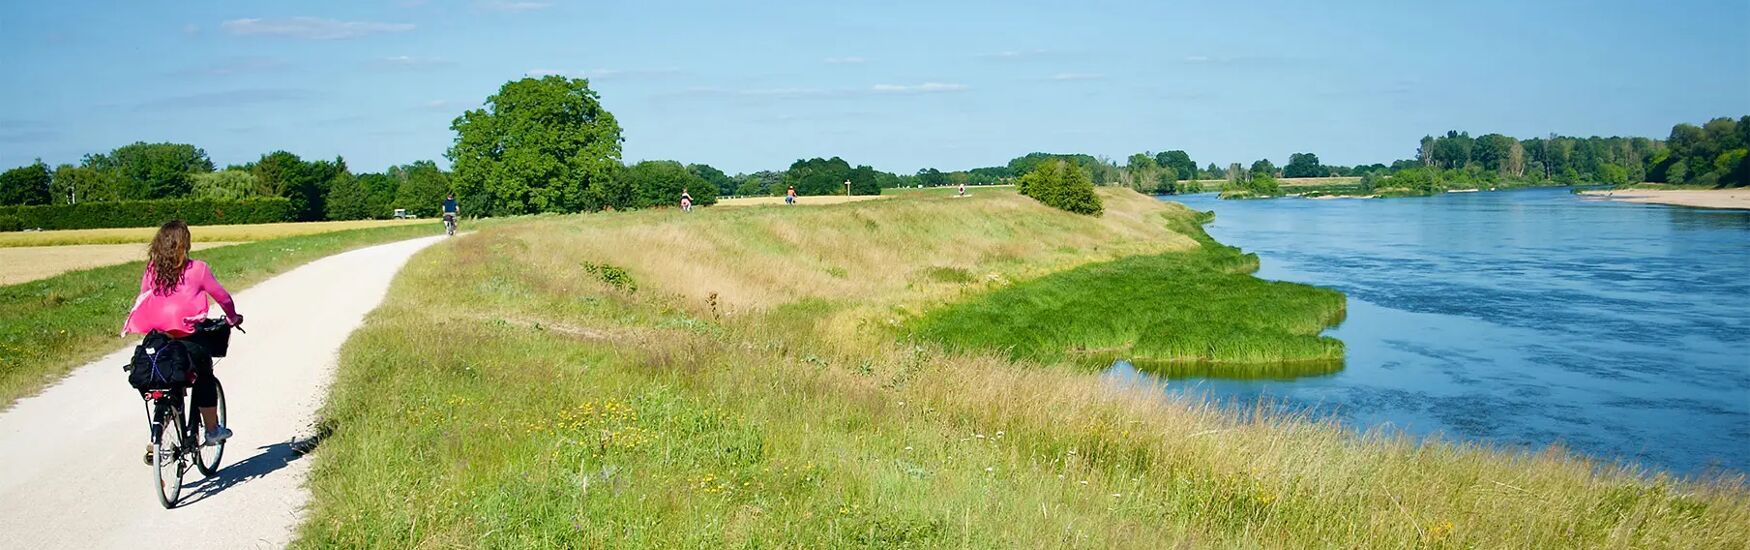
(213, 336)
(161, 363)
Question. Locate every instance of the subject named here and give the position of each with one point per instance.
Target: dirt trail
(70, 470)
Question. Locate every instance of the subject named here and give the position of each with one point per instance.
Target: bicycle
(449, 224)
(175, 433)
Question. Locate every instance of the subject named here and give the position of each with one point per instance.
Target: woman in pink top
(173, 296)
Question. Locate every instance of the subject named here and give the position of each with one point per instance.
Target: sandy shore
(1711, 198)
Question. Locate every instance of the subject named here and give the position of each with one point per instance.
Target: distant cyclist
(686, 201)
(790, 196)
(450, 211)
(173, 296)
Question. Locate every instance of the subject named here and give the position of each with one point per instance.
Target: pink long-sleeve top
(176, 311)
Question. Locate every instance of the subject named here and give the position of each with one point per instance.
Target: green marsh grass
(1196, 306)
(505, 397)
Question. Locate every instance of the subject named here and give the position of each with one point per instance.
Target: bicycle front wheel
(167, 467)
(207, 458)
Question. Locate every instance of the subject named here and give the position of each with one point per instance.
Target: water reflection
(1519, 318)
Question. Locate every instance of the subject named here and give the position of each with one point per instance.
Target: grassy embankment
(49, 326)
(739, 378)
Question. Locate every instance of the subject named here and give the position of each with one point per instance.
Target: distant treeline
(162, 173)
(548, 145)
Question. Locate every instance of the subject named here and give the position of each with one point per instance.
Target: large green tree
(761, 183)
(421, 188)
(1180, 162)
(347, 198)
(380, 191)
(660, 183)
(1304, 165)
(818, 176)
(1263, 167)
(228, 184)
(305, 183)
(30, 184)
(76, 184)
(153, 170)
(722, 184)
(539, 145)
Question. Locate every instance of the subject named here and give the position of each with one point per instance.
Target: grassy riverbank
(49, 326)
(740, 378)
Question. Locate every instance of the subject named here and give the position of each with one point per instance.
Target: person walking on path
(790, 196)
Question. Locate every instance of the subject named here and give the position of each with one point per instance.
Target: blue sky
(899, 85)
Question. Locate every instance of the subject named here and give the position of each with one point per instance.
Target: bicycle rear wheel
(167, 462)
(207, 458)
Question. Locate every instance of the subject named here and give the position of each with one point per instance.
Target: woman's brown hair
(168, 255)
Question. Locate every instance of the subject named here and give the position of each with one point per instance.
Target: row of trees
(1712, 154)
(319, 189)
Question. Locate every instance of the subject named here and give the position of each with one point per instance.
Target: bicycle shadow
(272, 458)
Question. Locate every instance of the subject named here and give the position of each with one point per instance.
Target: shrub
(1415, 181)
(94, 215)
(11, 223)
(1063, 186)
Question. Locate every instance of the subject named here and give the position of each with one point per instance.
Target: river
(1517, 318)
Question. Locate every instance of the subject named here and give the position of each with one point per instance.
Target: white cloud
(411, 62)
(235, 66)
(1196, 59)
(437, 104)
(1077, 76)
(1014, 54)
(513, 6)
(781, 93)
(925, 88)
(310, 28)
(224, 99)
(853, 60)
(828, 93)
(191, 29)
(603, 74)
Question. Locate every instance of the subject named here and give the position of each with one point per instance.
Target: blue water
(1520, 319)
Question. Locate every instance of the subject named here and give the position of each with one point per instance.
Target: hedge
(93, 215)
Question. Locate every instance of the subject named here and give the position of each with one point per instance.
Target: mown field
(49, 326)
(745, 378)
(28, 263)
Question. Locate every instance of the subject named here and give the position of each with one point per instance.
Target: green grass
(49, 326)
(1198, 306)
(503, 397)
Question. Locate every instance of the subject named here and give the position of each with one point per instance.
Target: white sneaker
(218, 436)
